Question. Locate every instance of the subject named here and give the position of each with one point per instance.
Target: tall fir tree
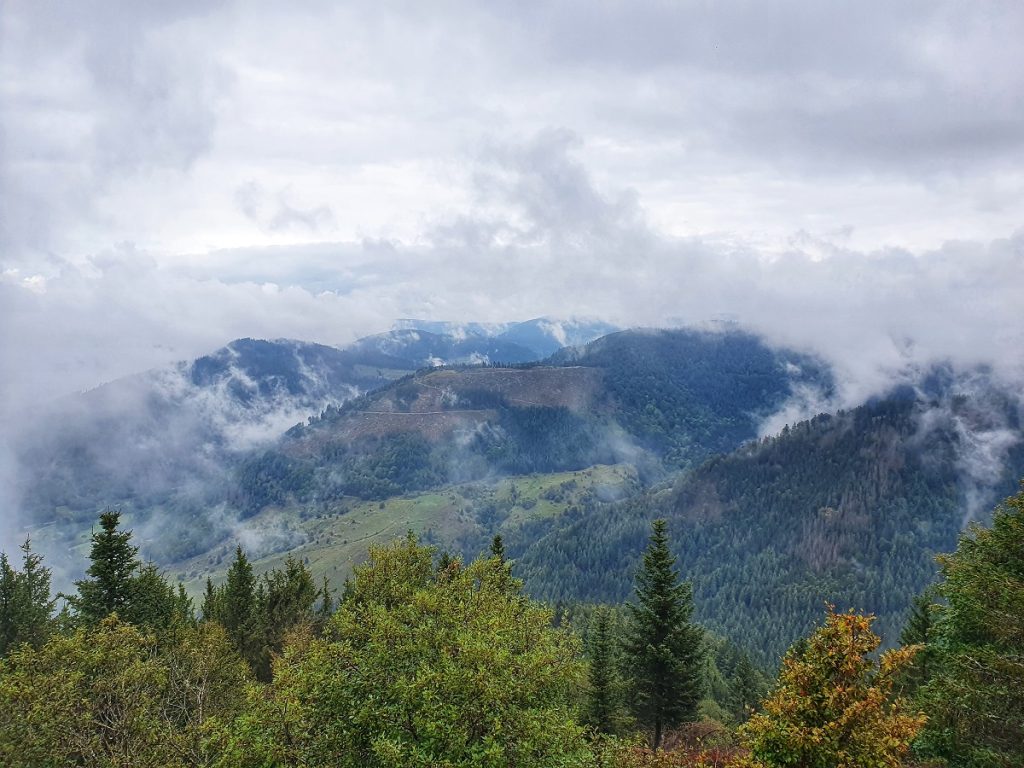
(665, 649)
(603, 695)
(974, 698)
(285, 599)
(238, 605)
(746, 688)
(918, 631)
(26, 606)
(110, 583)
(498, 547)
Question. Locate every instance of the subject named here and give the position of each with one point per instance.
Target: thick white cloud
(843, 177)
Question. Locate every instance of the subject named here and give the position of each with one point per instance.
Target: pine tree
(665, 649)
(284, 600)
(110, 585)
(917, 631)
(211, 607)
(326, 607)
(498, 547)
(745, 688)
(974, 698)
(237, 605)
(26, 607)
(603, 693)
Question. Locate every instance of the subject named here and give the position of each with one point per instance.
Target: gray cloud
(276, 215)
(842, 178)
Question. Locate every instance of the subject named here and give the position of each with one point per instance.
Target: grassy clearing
(333, 539)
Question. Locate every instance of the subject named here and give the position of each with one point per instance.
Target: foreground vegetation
(426, 661)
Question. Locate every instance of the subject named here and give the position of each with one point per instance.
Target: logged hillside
(659, 400)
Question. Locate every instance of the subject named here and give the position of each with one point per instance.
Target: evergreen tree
(26, 607)
(110, 585)
(153, 603)
(918, 631)
(498, 547)
(211, 607)
(746, 687)
(444, 562)
(603, 693)
(326, 608)
(975, 697)
(236, 605)
(665, 649)
(284, 600)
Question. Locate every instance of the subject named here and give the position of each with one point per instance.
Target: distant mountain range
(542, 336)
(461, 431)
(172, 434)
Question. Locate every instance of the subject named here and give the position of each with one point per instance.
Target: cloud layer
(842, 178)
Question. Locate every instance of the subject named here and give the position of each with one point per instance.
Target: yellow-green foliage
(834, 706)
(419, 668)
(105, 696)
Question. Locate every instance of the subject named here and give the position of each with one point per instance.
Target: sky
(844, 177)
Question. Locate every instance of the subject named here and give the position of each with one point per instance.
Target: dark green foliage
(233, 606)
(26, 607)
(113, 562)
(747, 686)
(155, 604)
(975, 696)
(271, 479)
(258, 614)
(539, 439)
(665, 650)
(604, 697)
(687, 394)
(385, 467)
(120, 583)
(851, 508)
(498, 547)
(285, 599)
(918, 631)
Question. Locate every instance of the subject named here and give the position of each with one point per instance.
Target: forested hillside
(850, 508)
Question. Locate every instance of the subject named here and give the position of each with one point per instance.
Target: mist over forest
(620, 384)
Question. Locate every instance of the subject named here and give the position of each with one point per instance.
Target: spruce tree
(110, 585)
(746, 688)
(326, 608)
(498, 547)
(26, 607)
(238, 604)
(665, 649)
(211, 607)
(917, 631)
(285, 599)
(603, 694)
(974, 697)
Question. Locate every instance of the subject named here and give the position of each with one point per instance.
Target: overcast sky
(845, 177)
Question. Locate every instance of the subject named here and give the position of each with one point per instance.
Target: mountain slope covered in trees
(850, 508)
